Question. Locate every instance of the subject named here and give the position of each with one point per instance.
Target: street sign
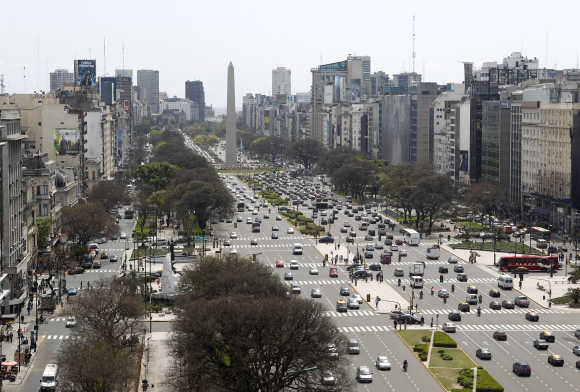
(202, 237)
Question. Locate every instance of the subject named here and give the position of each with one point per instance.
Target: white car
(233, 235)
(294, 265)
(449, 327)
(71, 322)
(357, 297)
(123, 236)
(382, 363)
(290, 230)
(313, 271)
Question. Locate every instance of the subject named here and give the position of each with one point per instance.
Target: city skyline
(26, 62)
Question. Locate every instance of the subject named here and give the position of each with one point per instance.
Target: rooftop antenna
(413, 54)
(123, 54)
(576, 60)
(546, 54)
(104, 56)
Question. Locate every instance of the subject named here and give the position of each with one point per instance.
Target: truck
(433, 252)
(417, 269)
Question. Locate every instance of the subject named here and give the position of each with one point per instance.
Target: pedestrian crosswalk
(59, 337)
(517, 327)
(318, 282)
(365, 328)
(452, 280)
(302, 265)
(350, 313)
(88, 271)
(272, 245)
(491, 311)
(267, 238)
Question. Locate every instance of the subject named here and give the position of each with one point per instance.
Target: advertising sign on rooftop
(86, 73)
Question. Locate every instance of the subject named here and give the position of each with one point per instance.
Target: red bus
(528, 263)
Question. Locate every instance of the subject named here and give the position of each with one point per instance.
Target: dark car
(522, 369)
(454, 316)
(76, 270)
(532, 316)
(458, 269)
(375, 267)
(461, 277)
(113, 259)
(443, 270)
(495, 305)
(541, 344)
(87, 264)
(288, 276)
(507, 304)
(483, 353)
(500, 335)
(548, 336)
(471, 289)
(495, 293)
(368, 254)
(326, 240)
(556, 360)
(409, 319)
(463, 307)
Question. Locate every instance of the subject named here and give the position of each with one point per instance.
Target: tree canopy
(86, 221)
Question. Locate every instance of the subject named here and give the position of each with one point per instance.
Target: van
(49, 376)
(298, 248)
(505, 282)
(353, 347)
(416, 282)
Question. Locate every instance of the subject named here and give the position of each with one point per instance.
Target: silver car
(443, 293)
(382, 363)
(295, 288)
(313, 271)
(363, 374)
(315, 293)
(352, 303)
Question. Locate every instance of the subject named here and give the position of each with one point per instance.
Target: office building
(148, 82)
(59, 78)
(108, 90)
(125, 73)
(444, 123)
(281, 81)
(195, 93)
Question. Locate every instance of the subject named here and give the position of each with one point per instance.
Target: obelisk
(231, 150)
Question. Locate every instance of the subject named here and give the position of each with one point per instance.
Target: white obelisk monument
(231, 149)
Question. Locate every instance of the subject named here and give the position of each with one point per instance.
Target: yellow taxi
(532, 316)
(555, 360)
(548, 336)
(463, 307)
(341, 306)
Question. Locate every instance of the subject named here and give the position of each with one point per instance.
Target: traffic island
(449, 365)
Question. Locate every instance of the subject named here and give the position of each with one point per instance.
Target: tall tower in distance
(231, 150)
(281, 81)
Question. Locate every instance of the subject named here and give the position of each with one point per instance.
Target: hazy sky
(193, 39)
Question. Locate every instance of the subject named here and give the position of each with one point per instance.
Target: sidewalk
(154, 365)
(558, 284)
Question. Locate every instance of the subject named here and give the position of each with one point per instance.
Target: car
(409, 319)
(313, 271)
(290, 230)
(249, 221)
(463, 307)
(350, 239)
(495, 305)
(368, 254)
(295, 289)
(332, 351)
(449, 327)
(462, 277)
(123, 236)
(454, 316)
(452, 260)
(379, 245)
(555, 360)
(382, 363)
(96, 264)
(352, 303)
(443, 270)
(522, 369)
(394, 248)
(548, 336)
(522, 301)
(576, 350)
(357, 297)
(294, 265)
(577, 333)
(341, 305)
(280, 264)
(233, 235)
(495, 293)
(388, 242)
(333, 272)
(315, 293)
(471, 299)
(506, 304)
(398, 242)
(344, 229)
(326, 240)
(500, 335)
(483, 353)
(76, 270)
(327, 378)
(227, 243)
(471, 289)
(275, 228)
(278, 218)
(363, 374)
(101, 240)
(288, 276)
(254, 241)
(239, 219)
(399, 272)
(274, 235)
(541, 344)
(532, 316)
(458, 269)
(345, 291)
(104, 256)
(375, 267)
(402, 253)
(71, 322)
(72, 291)
(443, 293)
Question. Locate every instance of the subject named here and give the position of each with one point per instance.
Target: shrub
(441, 339)
(465, 378)
(423, 356)
(426, 338)
(447, 357)
(486, 383)
(419, 348)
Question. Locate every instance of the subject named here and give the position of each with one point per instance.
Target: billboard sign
(86, 73)
(328, 94)
(66, 141)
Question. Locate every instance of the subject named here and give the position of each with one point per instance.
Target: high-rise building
(194, 92)
(59, 78)
(126, 73)
(281, 81)
(108, 90)
(148, 82)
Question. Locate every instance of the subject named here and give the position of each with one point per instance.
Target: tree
(307, 152)
(109, 194)
(156, 174)
(233, 335)
(574, 275)
(354, 176)
(485, 197)
(432, 194)
(44, 228)
(269, 147)
(574, 294)
(178, 155)
(86, 221)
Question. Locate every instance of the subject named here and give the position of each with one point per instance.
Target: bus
(540, 233)
(255, 227)
(410, 236)
(528, 263)
(241, 207)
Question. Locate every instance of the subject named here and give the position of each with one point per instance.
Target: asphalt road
(473, 331)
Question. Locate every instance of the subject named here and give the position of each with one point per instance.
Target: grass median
(500, 246)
